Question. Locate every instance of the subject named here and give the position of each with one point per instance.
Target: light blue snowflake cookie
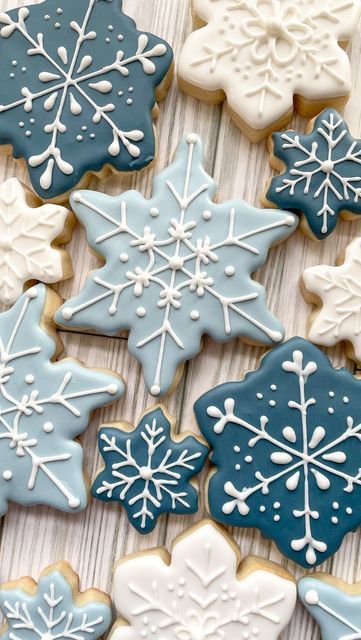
(334, 604)
(286, 448)
(53, 609)
(177, 266)
(149, 469)
(79, 83)
(322, 175)
(44, 405)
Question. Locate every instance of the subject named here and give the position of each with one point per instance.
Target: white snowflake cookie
(44, 406)
(177, 266)
(337, 293)
(53, 609)
(201, 592)
(30, 235)
(267, 57)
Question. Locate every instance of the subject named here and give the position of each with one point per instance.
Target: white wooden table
(31, 539)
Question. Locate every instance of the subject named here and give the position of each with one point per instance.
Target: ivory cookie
(267, 57)
(334, 604)
(337, 293)
(286, 451)
(79, 88)
(149, 469)
(201, 591)
(44, 406)
(177, 266)
(30, 236)
(320, 174)
(53, 608)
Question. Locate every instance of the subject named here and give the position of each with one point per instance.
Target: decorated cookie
(79, 87)
(321, 174)
(335, 605)
(54, 608)
(177, 266)
(201, 591)
(44, 406)
(149, 469)
(30, 235)
(286, 448)
(267, 57)
(337, 293)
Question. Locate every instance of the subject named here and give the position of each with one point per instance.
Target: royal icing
(323, 173)
(197, 593)
(339, 289)
(262, 53)
(286, 446)
(337, 612)
(176, 266)
(78, 90)
(26, 236)
(148, 469)
(44, 406)
(52, 610)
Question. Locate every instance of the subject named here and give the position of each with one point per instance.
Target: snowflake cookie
(267, 57)
(321, 174)
(335, 605)
(54, 609)
(177, 266)
(30, 235)
(337, 293)
(286, 448)
(201, 591)
(149, 469)
(79, 86)
(44, 406)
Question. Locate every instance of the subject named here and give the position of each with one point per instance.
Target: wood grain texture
(92, 541)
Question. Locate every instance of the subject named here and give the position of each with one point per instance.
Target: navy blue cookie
(78, 89)
(149, 469)
(287, 448)
(322, 176)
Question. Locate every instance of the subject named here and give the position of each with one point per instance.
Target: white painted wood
(93, 540)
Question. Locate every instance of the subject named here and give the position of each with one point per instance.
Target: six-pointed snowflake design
(198, 594)
(26, 237)
(176, 266)
(287, 445)
(339, 289)
(78, 90)
(262, 53)
(43, 407)
(149, 469)
(335, 606)
(51, 610)
(323, 173)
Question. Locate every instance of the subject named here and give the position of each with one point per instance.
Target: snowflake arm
(179, 269)
(334, 605)
(338, 289)
(200, 591)
(149, 470)
(44, 406)
(322, 177)
(72, 103)
(262, 55)
(287, 462)
(53, 608)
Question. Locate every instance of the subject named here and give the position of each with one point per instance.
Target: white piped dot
(192, 138)
(311, 597)
(48, 427)
(335, 505)
(21, 124)
(74, 503)
(57, 25)
(331, 410)
(248, 459)
(349, 511)
(154, 212)
(79, 138)
(194, 315)
(67, 313)
(29, 379)
(345, 400)
(262, 508)
(273, 387)
(276, 505)
(334, 520)
(32, 293)
(238, 467)
(272, 403)
(259, 396)
(331, 394)
(207, 215)
(277, 518)
(229, 271)
(77, 196)
(113, 389)
(124, 257)
(141, 312)
(236, 448)
(155, 390)
(7, 475)
(28, 133)
(129, 101)
(120, 37)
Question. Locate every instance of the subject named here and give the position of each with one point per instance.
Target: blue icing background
(264, 451)
(323, 169)
(84, 144)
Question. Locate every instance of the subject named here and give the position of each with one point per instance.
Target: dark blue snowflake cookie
(286, 448)
(79, 84)
(149, 469)
(321, 174)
